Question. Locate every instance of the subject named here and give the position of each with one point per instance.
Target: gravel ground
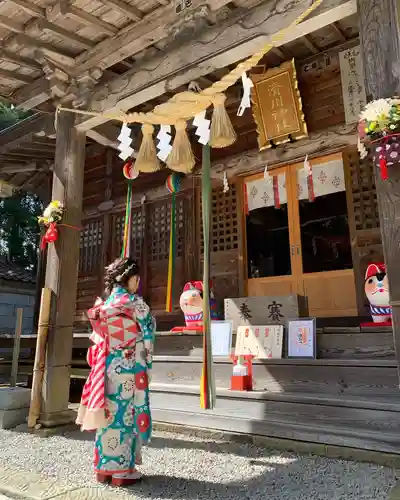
(190, 468)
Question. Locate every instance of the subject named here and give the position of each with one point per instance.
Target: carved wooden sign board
(353, 88)
(253, 311)
(277, 106)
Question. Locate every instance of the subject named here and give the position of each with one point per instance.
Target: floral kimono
(115, 399)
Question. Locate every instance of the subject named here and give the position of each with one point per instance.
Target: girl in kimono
(115, 400)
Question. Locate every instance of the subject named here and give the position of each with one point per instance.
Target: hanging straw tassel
(146, 160)
(181, 157)
(222, 132)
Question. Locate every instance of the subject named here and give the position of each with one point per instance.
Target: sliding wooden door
(272, 264)
(298, 241)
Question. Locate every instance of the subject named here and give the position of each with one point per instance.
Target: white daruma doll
(377, 291)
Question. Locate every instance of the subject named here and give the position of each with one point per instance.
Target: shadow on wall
(9, 303)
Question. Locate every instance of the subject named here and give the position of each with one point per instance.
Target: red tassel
(384, 169)
(275, 185)
(310, 186)
(50, 236)
(246, 200)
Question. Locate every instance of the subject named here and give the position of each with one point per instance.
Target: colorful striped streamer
(173, 185)
(207, 385)
(126, 242)
(172, 249)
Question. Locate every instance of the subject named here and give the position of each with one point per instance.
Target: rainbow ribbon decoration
(126, 242)
(173, 185)
(207, 385)
(130, 173)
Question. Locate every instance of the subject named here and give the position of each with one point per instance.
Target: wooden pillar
(380, 42)
(62, 270)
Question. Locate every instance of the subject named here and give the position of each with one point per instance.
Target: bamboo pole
(38, 368)
(208, 401)
(16, 348)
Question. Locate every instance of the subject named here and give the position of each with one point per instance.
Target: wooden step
(332, 342)
(352, 422)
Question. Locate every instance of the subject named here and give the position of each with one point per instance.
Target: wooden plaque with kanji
(277, 106)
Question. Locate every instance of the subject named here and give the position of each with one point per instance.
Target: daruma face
(377, 290)
(191, 302)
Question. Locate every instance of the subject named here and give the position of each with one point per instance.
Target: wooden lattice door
(224, 242)
(363, 219)
(90, 265)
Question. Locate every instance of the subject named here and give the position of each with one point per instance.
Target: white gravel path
(190, 468)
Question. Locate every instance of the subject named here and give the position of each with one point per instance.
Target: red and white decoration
(326, 178)
(267, 192)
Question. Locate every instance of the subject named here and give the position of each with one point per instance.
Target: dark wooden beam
(127, 10)
(65, 34)
(29, 41)
(24, 131)
(338, 30)
(380, 46)
(11, 25)
(14, 58)
(14, 75)
(311, 46)
(30, 8)
(65, 9)
(20, 155)
(7, 168)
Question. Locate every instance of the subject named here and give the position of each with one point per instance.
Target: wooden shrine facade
(125, 69)
(321, 89)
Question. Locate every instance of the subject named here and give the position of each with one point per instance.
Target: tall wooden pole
(62, 271)
(380, 45)
(208, 377)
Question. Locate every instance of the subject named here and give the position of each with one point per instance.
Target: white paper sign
(221, 338)
(264, 342)
(302, 338)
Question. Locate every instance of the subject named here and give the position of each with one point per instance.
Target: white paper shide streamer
(226, 183)
(245, 102)
(164, 142)
(307, 166)
(202, 125)
(125, 140)
(266, 173)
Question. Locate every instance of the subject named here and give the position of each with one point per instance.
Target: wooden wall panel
(363, 220)
(90, 265)
(95, 184)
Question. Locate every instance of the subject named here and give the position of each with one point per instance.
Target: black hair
(119, 273)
